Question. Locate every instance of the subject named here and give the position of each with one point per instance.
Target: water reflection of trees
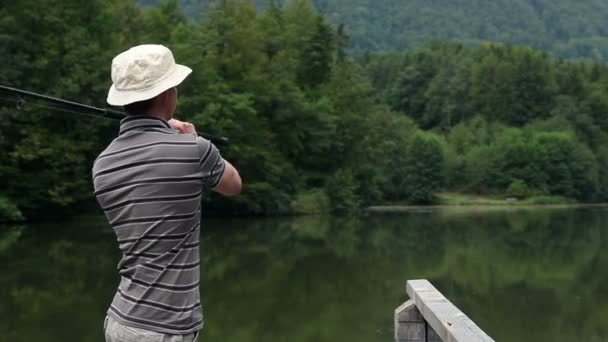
(55, 284)
(507, 268)
(522, 275)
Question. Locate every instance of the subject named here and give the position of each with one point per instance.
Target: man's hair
(138, 108)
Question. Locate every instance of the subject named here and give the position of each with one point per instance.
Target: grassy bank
(456, 199)
(317, 202)
(479, 202)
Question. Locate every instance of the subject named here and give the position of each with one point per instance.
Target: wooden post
(410, 326)
(430, 317)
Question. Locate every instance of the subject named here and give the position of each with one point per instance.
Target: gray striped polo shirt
(148, 181)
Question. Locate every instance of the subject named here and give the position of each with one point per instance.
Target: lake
(520, 274)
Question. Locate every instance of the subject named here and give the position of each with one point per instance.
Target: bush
(9, 211)
(313, 201)
(518, 189)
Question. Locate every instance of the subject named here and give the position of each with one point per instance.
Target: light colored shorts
(116, 332)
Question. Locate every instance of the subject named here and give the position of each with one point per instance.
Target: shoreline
(390, 208)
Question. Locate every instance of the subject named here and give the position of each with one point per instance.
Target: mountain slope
(567, 28)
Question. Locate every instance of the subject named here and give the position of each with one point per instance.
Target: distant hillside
(567, 28)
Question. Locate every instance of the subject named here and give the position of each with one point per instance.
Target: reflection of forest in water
(522, 275)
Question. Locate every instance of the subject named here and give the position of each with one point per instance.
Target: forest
(566, 28)
(313, 126)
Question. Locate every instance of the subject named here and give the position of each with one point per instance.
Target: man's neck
(158, 114)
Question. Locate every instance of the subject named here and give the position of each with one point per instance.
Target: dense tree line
(567, 28)
(513, 119)
(310, 127)
(299, 113)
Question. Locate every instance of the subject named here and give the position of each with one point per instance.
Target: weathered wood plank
(431, 335)
(449, 323)
(409, 324)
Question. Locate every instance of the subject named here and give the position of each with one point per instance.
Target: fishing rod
(99, 112)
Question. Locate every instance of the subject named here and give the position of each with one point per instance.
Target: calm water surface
(522, 275)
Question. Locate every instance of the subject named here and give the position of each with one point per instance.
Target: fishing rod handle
(215, 139)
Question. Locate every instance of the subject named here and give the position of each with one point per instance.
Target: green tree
(424, 168)
(342, 191)
(571, 168)
(317, 55)
(512, 85)
(59, 49)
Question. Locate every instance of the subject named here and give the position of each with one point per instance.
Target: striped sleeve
(211, 163)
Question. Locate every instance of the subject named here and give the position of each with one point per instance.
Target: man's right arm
(218, 174)
(230, 183)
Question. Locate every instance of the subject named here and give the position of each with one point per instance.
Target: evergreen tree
(317, 55)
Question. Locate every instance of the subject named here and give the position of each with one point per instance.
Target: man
(148, 181)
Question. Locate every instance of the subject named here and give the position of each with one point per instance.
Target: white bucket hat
(144, 72)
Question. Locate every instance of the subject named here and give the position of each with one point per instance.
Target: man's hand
(183, 127)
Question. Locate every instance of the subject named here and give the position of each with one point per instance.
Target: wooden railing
(430, 317)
